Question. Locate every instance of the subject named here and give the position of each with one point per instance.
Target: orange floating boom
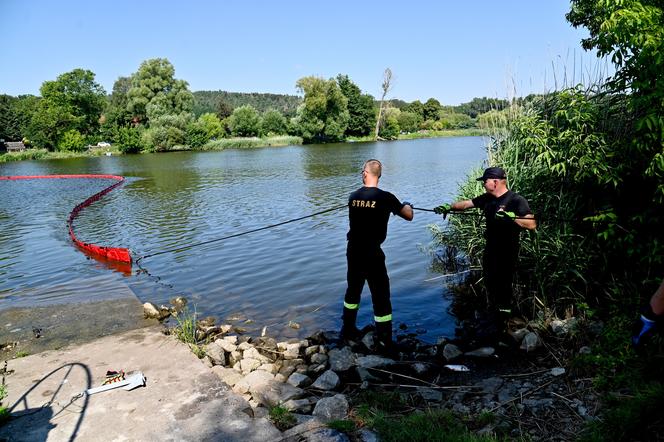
(113, 253)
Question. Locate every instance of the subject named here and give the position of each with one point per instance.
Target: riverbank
(223, 144)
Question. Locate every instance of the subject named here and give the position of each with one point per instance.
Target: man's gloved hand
(644, 329)
(443, 209)
(501, 214)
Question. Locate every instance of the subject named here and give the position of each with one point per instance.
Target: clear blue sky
(452, 51)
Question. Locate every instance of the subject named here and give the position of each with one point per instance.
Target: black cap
(493, 173)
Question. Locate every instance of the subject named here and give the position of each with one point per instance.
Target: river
(295, 272)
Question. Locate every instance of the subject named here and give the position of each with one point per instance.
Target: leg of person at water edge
(379, 285)
(651, 318)
(355, 276)
(498, 274)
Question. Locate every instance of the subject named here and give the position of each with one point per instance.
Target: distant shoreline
(226, 143)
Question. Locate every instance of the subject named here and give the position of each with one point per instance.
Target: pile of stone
(314, 378)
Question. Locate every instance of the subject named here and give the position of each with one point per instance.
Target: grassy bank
(251, 142)
(44, 154)
(427, 134)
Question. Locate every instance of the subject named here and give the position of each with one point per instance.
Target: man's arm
(529, 224)
(406, 212)
(463, 205)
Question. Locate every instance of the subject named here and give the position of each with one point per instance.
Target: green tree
(323, 116)
(73, 101)
(389, 128)
(9, 123)
(129, 139)
(415, 107)
(72, 140)
(431, 109)
(361, 109)
(632, 33)
(274, 123)
(224, 110)
(409, 121)
(117, 112)
(211, 125)
(155, 92)
(245, 122)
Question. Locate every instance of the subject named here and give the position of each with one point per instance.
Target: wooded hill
(210, 101)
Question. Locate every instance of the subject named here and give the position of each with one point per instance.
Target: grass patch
(4, 412)
(345, 426)
(390, 415)
(282, 418)
(251, 142)
(44, 154)
(473, 132)
(636, 418)
(21, 354)
(185, 331)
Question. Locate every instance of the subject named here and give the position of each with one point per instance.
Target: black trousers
(367, 265)
(499, 267)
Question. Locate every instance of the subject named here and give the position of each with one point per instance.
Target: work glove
(443, 209)
(501, 214)
(645, 329)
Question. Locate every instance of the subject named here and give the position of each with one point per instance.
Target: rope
(235, 235)
(536, 218)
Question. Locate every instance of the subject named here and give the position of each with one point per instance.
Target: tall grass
(569, 154)
(251, 142)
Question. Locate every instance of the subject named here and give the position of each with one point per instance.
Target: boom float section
(112, 253)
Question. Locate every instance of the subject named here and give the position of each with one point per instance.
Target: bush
(72, 141)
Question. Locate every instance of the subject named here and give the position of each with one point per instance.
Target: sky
(450, 51)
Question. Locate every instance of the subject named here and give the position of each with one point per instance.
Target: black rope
(235, 235)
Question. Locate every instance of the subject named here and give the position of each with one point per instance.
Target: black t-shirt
(369, 210)
(502, 233)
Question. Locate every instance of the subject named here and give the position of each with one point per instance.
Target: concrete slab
(182, 400)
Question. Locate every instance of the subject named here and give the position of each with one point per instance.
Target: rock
(179, 303)
(482, 352)
(306, 424)
(557, 371)
(228, 375)
(299, 380)
(451, 351)
(368, 340)
(319, 358)
(226, 345)
(317, 369)
(270, 368)
(292, 351)
(311, 350)
(274, 393)
(530, 342)
(490, 385)
(208, 321)
(231, 339)
(596, 328)
(585, 350)
(280, 377)
(429, 394)
(227, 328)
(249, 364)
(215, 352)
(420, 368)
(373, 361)
(367, 436)
(252, 353)
(563, 328)
(518, 335)
(326, 435)
(244, 346)
(331, 408)
(366, 376)
(151, 311)
(298, 405)
(234, 358)
(327, 381)
(341, 360)
(252, 380)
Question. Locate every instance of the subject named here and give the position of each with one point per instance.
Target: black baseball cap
(493, 173)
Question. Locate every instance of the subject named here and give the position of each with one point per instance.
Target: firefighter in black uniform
(369, 210)
(507, 213)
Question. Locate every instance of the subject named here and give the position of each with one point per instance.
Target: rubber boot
(384, 344)
(349, 332)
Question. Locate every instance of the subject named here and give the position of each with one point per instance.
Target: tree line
(151, 110)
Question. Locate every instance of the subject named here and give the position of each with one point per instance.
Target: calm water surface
(294, 272)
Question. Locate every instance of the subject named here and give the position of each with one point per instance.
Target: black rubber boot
(384, 344)
(349, 332)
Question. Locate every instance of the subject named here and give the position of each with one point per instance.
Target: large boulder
(331, 408)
